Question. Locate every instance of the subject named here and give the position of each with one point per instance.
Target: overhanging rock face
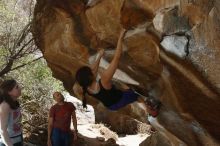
(171, 51)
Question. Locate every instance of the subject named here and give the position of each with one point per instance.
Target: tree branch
(7, 68)
(17, 67)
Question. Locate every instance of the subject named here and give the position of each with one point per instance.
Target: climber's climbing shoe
(153, 106)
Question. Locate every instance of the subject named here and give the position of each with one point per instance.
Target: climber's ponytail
(84, 77)
(84, 100)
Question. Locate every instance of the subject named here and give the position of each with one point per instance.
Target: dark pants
(17, 144)
(60, 138)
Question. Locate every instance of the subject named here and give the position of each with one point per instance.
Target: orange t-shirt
(61, 115)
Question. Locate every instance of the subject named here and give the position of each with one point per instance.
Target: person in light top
(10, 114)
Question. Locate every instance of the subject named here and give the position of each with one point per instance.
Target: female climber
(103, 89)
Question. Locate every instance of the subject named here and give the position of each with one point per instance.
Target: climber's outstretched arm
(107, 75)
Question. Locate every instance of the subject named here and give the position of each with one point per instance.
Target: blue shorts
(129, 96)
(60, 138)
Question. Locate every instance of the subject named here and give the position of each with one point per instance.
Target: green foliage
(37, 80)
(16, 40)
(14, 11)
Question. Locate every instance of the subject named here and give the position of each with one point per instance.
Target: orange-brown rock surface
(171, 52)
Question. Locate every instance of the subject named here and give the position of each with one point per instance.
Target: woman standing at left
(10, 114)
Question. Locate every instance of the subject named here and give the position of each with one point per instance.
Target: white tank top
(14, 127)
(14, 123)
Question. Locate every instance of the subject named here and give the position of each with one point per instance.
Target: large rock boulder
(184, 78)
